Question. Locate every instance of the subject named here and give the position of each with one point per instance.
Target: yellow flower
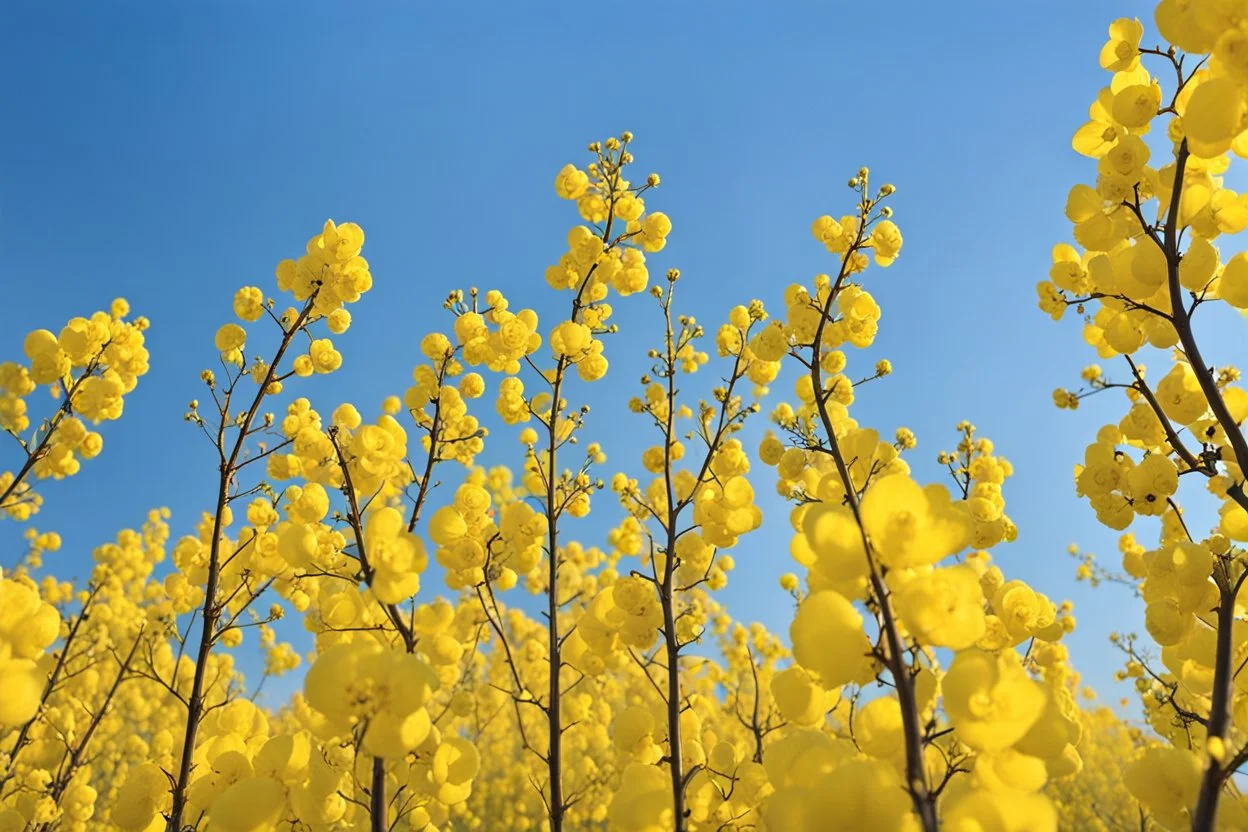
(253, 804)
(991, 700)
(1135, 106)
(361, 682)
(22, 683)
(571, 183)
(325, 359)
(1166, 780)
(570, 339)
(1122, 52)
(1214, 116)
(230, 337)
(800, 700)
(1001, 812)
(1232, 286)
(885, 243)
(643, 802)
(828, 639)
(910, 525)
(248, 304)
(943, 608)
(878, 728)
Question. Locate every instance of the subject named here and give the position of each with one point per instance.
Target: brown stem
(672, 646)
(1171, 435)
(667, 600)
(666, 583)
(916, 769)
(357, 528)
(755, 726)
(1219, 710)
(211, 610)
(1183, 325)
(432, 460)
(554, 754)
(377, 797)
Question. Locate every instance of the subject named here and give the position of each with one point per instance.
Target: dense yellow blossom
(482, 659)
(1152, 236)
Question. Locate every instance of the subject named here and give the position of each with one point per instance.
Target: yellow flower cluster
(359, 683)
(472, 538)
(1146, 259)
(724, 507)
(331, 272)
(90, 366)
(874, 538)
(501, 348)
(624, 614)
(918, 687)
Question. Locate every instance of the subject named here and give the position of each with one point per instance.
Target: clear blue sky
(171, 153)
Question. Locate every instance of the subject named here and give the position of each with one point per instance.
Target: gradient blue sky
(171, 153)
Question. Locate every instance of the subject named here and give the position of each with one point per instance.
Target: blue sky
(172, 153)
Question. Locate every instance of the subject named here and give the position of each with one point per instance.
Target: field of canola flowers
(919, 686)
